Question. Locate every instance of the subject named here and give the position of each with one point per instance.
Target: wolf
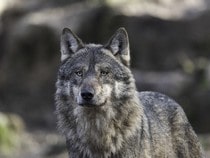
(101, 114)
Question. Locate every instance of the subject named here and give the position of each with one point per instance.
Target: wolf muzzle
(87, 96)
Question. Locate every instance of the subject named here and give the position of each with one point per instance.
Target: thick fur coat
(101, 114)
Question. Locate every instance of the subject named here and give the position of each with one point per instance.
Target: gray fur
(102, 115)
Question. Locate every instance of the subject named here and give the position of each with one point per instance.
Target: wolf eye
(79, 73)
(104, 72)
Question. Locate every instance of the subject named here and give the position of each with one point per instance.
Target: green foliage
(8, 134)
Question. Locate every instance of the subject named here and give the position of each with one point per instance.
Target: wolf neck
(106, 128)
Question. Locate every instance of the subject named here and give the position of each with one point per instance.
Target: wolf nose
(87, 96)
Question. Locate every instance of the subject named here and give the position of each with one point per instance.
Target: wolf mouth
(91, 105)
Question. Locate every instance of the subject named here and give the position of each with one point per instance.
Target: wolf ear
(119, 46)
(69, 44)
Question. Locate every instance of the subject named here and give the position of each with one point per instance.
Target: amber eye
(104, 72)
(79, 73)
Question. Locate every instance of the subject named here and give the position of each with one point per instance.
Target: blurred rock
(29, 66)
(164, 9)
(172, 83)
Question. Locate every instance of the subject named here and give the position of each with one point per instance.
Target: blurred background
(170, 49)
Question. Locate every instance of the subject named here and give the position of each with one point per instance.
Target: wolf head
(96, 100)
(93, 75)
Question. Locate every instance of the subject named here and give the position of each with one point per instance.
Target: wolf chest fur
(101, 114)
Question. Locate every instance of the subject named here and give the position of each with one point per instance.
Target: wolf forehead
(93, 56)
(91, 53)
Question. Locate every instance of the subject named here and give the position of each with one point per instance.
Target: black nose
(87, 95)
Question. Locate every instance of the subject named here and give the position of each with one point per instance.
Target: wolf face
(94, 75)
(96, 100)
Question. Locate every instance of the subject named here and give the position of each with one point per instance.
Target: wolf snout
(87, 95)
